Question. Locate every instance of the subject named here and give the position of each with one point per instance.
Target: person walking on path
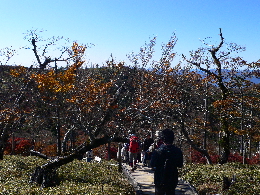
(146, 153)
(164, 162)
(134, 149)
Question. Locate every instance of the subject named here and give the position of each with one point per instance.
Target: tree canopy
(208, 100)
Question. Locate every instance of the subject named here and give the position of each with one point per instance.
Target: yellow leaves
(169, 70)
(254, 132)
(240, 132)
(78, 49)
(235, 113)
(48, 81)
(223, 103)
(256, 138)
(237, 131)
(94, 92)
(57, 82)
(195, 137)
(73, 99)
(8, 114)
(16, 72)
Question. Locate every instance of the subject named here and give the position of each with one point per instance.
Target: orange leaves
(78, 49)
(8, 114)
(245, 131)
(93, 92)
(156, 104)
(47, 81)
(235, 113)
(225, 104)
(16, 72)
(230, 108)
(96, 87)
(96, 90)
(57, 82)
(72, 99)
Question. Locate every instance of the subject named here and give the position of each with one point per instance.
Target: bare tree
(221, 69)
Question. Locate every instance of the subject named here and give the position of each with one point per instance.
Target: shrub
(197, 157)
(102, 151)
(113, 153)
(77, 177)
(235, 157)
(50, 150)
(22, 146)
(209, 178)
(47, 149)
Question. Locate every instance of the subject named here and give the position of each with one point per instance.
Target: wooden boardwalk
(142, 180)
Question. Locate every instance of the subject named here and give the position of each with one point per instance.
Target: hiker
(134, 149)
(89, 155)
(146, 153)
(164, 162)
(125, 153)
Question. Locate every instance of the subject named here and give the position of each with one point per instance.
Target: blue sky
(123, 26)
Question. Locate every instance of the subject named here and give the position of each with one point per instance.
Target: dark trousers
(164, 191)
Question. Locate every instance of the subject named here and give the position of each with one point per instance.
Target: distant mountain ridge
(253, 79)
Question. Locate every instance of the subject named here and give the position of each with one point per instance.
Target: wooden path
(142, 180)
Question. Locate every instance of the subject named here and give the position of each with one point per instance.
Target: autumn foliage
(21, 146)
(210, 103)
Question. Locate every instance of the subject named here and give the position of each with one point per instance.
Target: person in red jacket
(134, 148)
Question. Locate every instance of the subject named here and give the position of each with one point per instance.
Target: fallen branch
(46, 174)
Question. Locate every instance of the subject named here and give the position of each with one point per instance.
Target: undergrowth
(208, 179)
(77, 177)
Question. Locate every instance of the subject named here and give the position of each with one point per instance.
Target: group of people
(137, 151)
(161, 155)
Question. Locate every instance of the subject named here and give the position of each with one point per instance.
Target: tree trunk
(66, 138)
(13, 144)
(3, 139)
(119, 157)
(225, 142)
(1, 152)
(58, 134)
(46, 175)
(108, 151)
(224, 92)
(204, 152)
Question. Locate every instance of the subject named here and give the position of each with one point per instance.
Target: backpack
(167, 171)
(134, 145)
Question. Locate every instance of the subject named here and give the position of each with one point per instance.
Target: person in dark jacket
(146, 153)
(165, 161)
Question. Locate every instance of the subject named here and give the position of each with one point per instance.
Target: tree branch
(215, 50)
(35, 52)
(199, 66)
(35, 153)
(193, 145)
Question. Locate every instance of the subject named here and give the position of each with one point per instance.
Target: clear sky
(123, 26)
